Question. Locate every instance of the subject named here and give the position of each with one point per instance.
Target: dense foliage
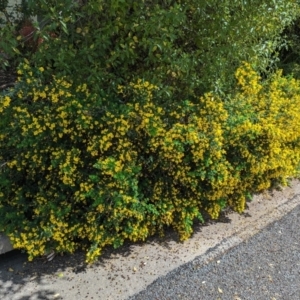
(74, 171)
(129, 116)
(185, 47)
(290, 55)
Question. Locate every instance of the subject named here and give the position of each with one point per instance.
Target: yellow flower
(6, 101)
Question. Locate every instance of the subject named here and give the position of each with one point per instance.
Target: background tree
(184, 47)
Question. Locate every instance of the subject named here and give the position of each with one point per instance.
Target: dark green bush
(290, 55)
(184, 47)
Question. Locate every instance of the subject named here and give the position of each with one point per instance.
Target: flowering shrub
(88, 170)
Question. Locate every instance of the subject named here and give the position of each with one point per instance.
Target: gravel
(267, 266)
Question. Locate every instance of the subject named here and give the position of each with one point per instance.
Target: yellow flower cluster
(82, 168)
(5, 102)
(29, 241)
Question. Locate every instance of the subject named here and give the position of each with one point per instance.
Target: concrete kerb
(5, 244)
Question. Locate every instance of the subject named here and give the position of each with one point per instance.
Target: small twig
(3, 164)
(29, 36)
(3, 86)
(51, 255)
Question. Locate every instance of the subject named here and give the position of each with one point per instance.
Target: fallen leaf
(10, 270)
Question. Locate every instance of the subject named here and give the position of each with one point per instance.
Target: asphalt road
(267, 266)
